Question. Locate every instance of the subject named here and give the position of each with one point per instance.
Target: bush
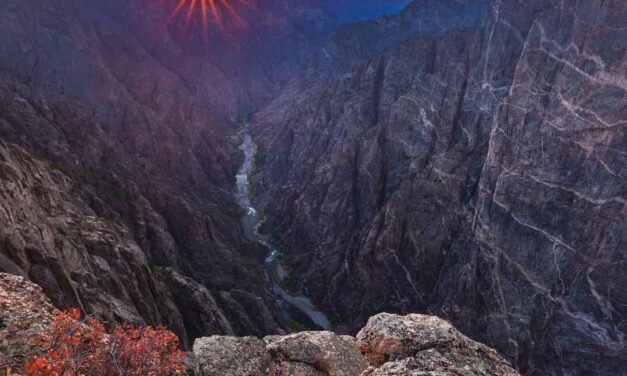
(71, 347)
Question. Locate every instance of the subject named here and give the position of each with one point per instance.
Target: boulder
(235, 356)
(302, 354)
(323, 353)
(425, 345)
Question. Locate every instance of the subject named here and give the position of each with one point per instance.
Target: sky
(360, 10)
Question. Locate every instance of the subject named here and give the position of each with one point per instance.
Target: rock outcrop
(389, 345)
(425, 345)
(24, 312)
(304, 353)
(476, 173)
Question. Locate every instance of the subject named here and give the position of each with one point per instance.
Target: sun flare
(217, 11)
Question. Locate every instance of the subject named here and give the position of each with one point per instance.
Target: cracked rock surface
(476, 172)
(24, 312)
(388, 345)
(425, 345)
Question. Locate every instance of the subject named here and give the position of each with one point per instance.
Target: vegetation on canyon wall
(72, 346)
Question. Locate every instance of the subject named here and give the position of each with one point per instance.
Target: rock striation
(472, 171)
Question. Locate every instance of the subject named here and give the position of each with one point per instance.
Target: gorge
(297, 308)
(322, 163)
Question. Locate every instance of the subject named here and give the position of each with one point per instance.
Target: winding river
(298, 308)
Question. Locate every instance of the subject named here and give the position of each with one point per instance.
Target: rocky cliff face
(112, 254)
(118, 198)
(119, 165)
(474, 173)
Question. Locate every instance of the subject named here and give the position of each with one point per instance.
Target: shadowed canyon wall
(472, 172)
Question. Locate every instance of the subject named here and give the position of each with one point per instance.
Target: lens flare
(218, 10)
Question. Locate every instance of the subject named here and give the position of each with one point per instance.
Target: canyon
(321, 165)
(476, 173)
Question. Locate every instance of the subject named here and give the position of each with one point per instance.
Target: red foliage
(75, 348)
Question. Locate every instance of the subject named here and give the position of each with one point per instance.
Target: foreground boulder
(322, 353)
(225, 355)
(424, 345)
(302, 354)
(389, 345)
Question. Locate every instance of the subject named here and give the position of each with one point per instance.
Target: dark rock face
(117, 116)
(359, 41)
(477, 174)
(127, 179)
(62, 235)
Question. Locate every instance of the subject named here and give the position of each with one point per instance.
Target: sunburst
(218, 10)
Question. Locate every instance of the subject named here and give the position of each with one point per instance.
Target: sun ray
(214, 13)
(220, 11)
(190, 12)
(176, 10)
(203, 6)
(232, 11)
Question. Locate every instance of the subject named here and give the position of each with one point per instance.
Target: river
(298, 308)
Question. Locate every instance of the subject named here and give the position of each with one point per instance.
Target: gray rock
(303, 354)
(425, 345)
(323, 352)
(236, 356)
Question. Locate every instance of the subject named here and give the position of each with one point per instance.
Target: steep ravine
(298, 309)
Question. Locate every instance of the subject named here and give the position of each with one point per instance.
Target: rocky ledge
(388, 345)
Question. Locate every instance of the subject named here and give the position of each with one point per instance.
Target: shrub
(71, 347)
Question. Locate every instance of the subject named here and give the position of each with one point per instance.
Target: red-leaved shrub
(72, 347)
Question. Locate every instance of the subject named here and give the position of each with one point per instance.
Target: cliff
(475, 172)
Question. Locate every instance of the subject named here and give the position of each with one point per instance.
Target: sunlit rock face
(476, 173)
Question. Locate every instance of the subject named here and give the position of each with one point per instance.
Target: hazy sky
(356, 10)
